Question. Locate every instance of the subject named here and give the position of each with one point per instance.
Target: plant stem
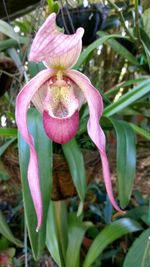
(121, 19)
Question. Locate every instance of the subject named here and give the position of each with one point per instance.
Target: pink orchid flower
(58, 93)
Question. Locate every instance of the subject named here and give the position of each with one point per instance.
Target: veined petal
(61, 130)
(60, 116)
(58, 50)
(95, 132)
(22, 104)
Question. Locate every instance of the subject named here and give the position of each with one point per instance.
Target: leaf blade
(52, 242)
(6, 232)
(135, 255)
(86, 52)
(44, 149)
(126, 160)
(6, 29)
(127, 99)
(76, 165)
(109, 234)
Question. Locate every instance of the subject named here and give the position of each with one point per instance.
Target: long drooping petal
(22, 104)
(95, 132)
(58, 50)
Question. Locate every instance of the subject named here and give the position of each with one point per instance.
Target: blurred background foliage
(116, 58)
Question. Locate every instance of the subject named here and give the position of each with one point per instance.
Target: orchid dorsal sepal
(56, 49)
(58, 94)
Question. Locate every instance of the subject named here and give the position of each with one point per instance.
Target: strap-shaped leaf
(140, 131)
(87, 51)
(57, 231)
(116, 88)
(7, 233)
(4, 147)
(109, 234)
(9, 43)
(145, 40)
(126, 160)
(75, 161)
(127, 99)
(139, 253)
(44, 149)
(120, 49)
(76, 232)
(6, 29)
(8, 132)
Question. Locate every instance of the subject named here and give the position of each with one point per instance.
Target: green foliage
(53, 6)
(109, 234)
(9, 43)
(44, 150)
(6, 232)
(76, 232)
(8, 132)
(65, 233)
(4, 147)
(121, 73)
(139, 253)
(128, 98)
(87, 51)
(6, 29)
(126, 160)
(146, 21)
(56, 233)
(76, 165)
(120, 49)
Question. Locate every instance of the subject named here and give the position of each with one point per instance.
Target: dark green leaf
(109, 234)
(116, 88)
(137, 212)
(57, 232)
(75, 161)
(139, 253)
(44, 149)
(126, 160)
(127, 99)
(9, 43)
(4, 147)
(86, 52)
(76, 233)
(6, 232)
(120, 49)
(61, 220)
(145, 40)
(146, 20)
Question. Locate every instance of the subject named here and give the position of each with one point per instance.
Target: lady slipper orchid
(58, 93)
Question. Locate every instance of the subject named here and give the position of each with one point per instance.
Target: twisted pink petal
(22, 104)
(95, 132)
